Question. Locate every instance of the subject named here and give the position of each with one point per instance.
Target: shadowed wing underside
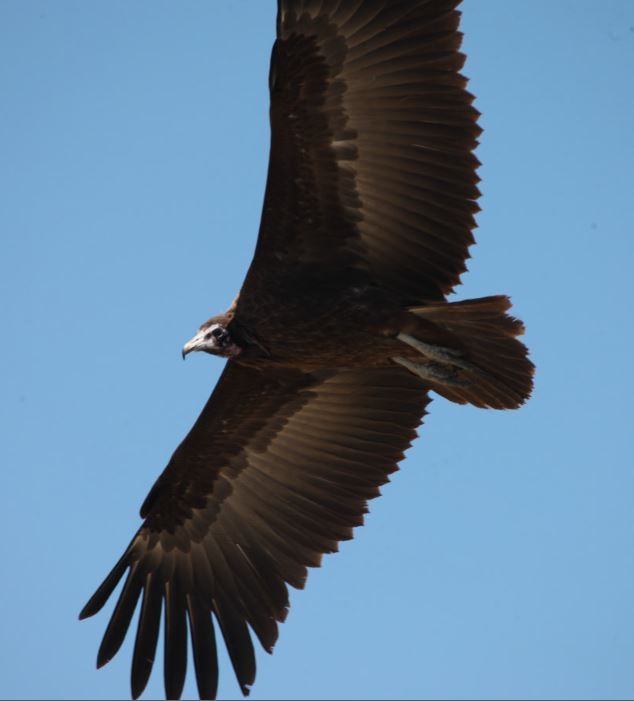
(372, 132)
(275, 472)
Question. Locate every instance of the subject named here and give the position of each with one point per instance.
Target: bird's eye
(218, 333)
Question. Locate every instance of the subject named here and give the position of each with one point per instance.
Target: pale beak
(196, 343)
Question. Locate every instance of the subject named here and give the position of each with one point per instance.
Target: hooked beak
(196, 343)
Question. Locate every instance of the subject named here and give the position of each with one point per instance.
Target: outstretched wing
(371, 167)
(275, 472)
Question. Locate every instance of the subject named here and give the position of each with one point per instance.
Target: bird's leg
(448, 356)
(442, 364)
(433, 372)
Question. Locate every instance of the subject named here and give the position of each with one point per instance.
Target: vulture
(340, 331)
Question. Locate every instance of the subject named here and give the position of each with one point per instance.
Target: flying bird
(340, 330)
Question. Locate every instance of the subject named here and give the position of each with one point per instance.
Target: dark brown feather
(175, 663)
(371, 197)
(147, 633)
(274, 486)
(121, 617)
(203, 646)
(366, 104)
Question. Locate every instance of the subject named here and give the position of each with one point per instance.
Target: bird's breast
(341, 331)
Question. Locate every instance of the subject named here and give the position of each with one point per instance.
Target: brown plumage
(340, 329)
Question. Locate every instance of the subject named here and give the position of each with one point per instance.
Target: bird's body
(346, 324)
(340, 330)
(361, 326)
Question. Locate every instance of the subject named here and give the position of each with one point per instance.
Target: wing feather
(203, 646)
(175, 641)
(147, 632)
(121, 616)
(244, 507)
(371, 170)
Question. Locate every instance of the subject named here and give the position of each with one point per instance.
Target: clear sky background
(133, 148)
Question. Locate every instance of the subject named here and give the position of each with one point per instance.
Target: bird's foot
(441, 355)
(437, 353)
(440, 365)
(434, 372)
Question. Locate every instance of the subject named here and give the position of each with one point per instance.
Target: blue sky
(133, 147)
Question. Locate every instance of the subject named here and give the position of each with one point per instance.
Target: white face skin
(212, 339)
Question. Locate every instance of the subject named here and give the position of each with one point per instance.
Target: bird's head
(213, 337)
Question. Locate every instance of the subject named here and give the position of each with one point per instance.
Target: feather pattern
(366, 226)
(372, 171)
(287, 485)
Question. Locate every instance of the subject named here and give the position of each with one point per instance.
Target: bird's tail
(493, 368)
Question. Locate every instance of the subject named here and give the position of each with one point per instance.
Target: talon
(433, 372)
(433, 352)
(448, 356)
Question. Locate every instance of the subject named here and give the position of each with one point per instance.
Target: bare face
(213, 338)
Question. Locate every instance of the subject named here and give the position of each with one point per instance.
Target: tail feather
(488, 335)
